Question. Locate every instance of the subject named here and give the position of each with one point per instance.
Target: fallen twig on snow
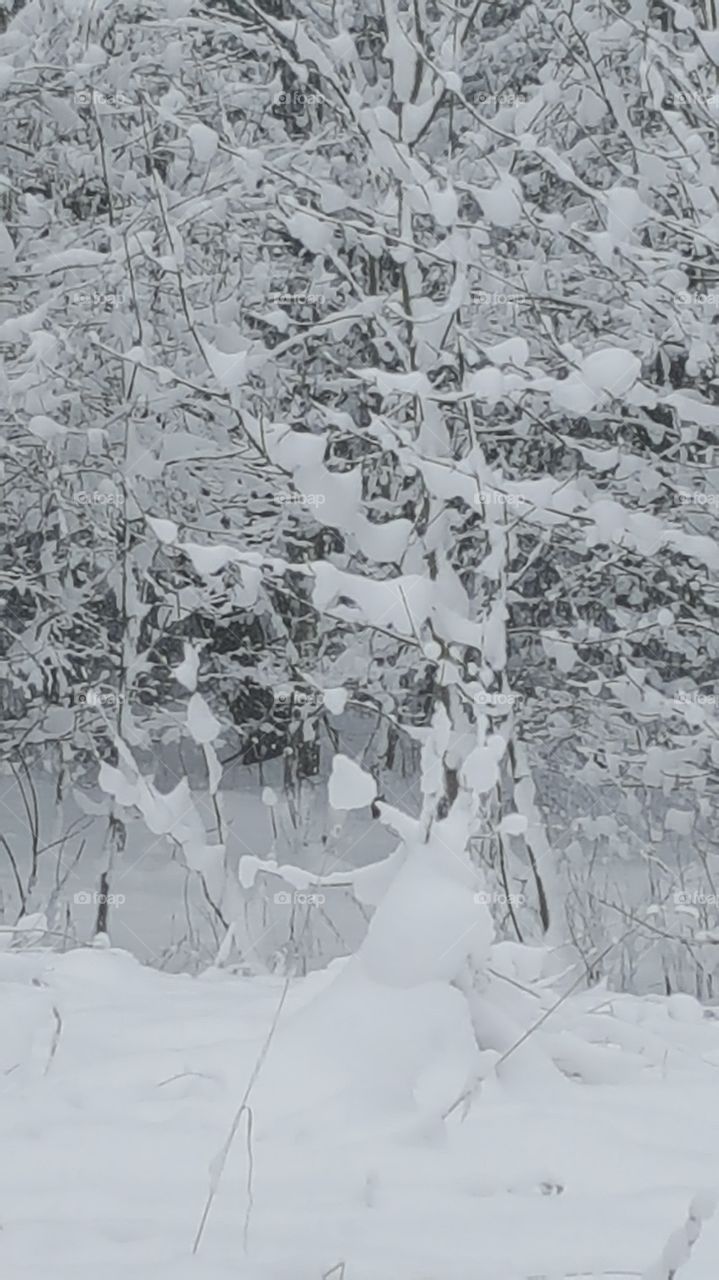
(218, 1165)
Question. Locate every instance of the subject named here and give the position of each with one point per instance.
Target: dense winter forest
(358, 639)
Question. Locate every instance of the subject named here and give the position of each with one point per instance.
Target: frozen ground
(119, 1084)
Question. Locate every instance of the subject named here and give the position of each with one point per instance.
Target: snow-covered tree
(398, 349)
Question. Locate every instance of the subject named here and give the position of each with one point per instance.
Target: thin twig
(219, 1166)
(466, 1093)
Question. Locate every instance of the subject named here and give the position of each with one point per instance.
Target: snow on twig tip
(677, 1250)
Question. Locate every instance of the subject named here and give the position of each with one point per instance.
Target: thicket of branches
(376, 351)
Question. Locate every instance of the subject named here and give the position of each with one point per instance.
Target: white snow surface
(107, 1139)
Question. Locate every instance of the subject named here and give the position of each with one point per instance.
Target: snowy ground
(108, 1130)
